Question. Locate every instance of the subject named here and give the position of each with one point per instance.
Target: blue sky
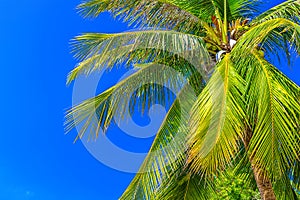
(37, 160)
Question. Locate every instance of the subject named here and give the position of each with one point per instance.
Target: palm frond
(180, 15)
(167, 151)
(217, 121)
(266, 35)
(108, 50)
(283, 94)
(147, 86)
(274, 107)
(174, 14)
(289, 10)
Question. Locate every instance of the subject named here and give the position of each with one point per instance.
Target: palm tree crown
(234, 110)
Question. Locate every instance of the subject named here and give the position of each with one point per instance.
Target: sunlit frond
(217, 120)
(167, 151)
(273, 102)
(174, 14)
(150, 81)
(107, 50)
(288, 9)
(266, 35)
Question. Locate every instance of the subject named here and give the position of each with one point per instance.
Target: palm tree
(235, 111)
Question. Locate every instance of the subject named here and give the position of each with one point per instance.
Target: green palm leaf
(100, 110)
(217, 120)
(107, 50)
(275, 142)
(181, 15)
(288, 10)
(175, 14)
(257, 36)
(275, 98)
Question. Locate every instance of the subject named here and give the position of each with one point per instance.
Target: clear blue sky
(37, 161)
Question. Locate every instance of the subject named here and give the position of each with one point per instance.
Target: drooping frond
(282, 93)
(174, 14)
(167, 151)
(289, 10)
(266, 36)
(274, 108)
(181, 15)
(217, 120)
(99, 111)
(107, 50)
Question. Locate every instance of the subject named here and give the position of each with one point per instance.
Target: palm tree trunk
(263, 183)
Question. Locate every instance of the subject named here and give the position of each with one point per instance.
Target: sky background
(37, 160)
